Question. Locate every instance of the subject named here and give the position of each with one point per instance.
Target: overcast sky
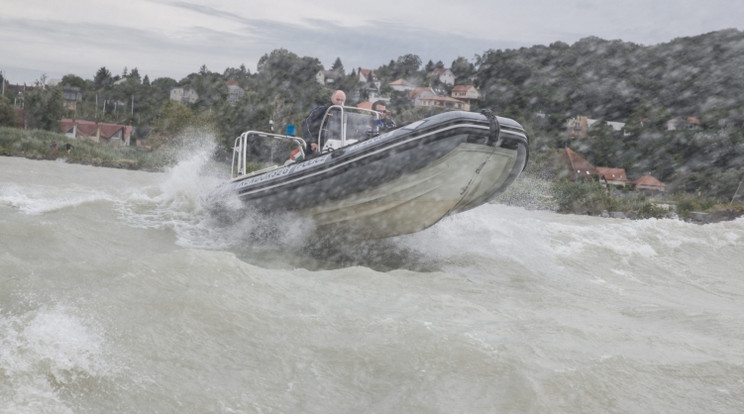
(173, 38)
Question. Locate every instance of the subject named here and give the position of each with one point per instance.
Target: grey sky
(172, 38)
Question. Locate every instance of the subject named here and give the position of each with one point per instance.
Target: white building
(184, 94)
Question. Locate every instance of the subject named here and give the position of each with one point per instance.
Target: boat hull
(466, 177)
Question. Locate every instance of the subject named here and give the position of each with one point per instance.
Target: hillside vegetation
(540, 86)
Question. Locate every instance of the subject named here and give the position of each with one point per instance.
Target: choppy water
(120, 293)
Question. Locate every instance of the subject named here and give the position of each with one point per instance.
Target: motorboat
(377, 184)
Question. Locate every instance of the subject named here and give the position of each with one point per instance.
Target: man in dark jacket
(311, 125)
(386, 121)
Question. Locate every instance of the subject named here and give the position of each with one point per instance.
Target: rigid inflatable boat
(379, 185)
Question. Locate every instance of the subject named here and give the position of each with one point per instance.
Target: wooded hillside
(540, 86)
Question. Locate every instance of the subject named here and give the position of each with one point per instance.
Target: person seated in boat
(385, 122)
(311, 124)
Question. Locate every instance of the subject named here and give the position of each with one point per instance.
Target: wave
(40, 199)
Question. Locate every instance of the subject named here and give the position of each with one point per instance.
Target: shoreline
(536, 194)
(123, 164)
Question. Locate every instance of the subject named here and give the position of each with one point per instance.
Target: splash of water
(181, 203)
(45, 352)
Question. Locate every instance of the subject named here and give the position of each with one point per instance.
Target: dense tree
(429, 66)
(102, 78)
(174, 118)
(338, 66)
(7, 113)
(463, 70)
(44, 106)
(291, 78)
(74, 80)
(406, 67)
(150, 101)
(135, 76)
(240, 74)
(210, 86)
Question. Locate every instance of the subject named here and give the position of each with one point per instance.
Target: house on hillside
(613, 176)
(443, 102)
(466, 93)
(234, 92)
(679, 122)
(71, 95)
(444, 75)
(616, 126)
(184, 94)
(368, 75)
(401, 85)
(422, 92)
(579, 167)
(114, 134)
(648, 184)
(327, 77)
(578, 127)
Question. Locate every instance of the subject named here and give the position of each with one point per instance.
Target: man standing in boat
(311, 125)
(385, 122)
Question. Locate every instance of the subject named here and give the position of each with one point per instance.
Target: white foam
(37, 199)
(42, 352)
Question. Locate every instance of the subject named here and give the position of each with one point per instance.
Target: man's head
(379, 106)
(338, 97)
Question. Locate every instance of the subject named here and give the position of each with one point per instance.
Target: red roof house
(97, 131)
(442, 102)
(579, 166)
(648, 183)
(614, 176)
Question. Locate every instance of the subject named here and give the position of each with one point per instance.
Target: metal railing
(341, 126)
(247, 145)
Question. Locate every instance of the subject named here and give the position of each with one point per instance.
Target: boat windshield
(345, 125)
(256, 152)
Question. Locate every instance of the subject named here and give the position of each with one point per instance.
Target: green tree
(175, 117)
(44, 106)
(7, 112)
(285, 75)
(150, 100)
(103, 78)
(429, 66)
(407, 66)
(605, 148)
(134, 74)
(74, 80)
(463, 70)
(338, 66)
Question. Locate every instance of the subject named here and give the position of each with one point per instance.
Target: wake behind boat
(376, 186)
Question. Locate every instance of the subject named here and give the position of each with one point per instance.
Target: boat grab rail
(240, 151)
(494, 126)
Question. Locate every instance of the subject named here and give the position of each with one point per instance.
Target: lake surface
(120, 292)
